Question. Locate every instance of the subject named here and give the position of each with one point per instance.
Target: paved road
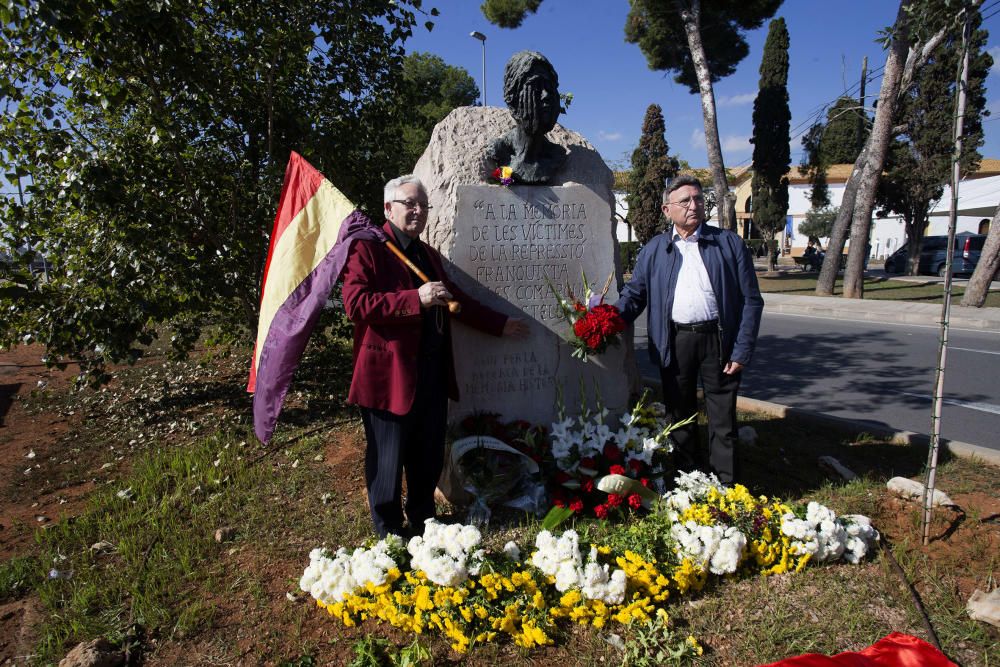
(881, 373)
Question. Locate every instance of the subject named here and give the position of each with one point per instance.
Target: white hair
(389, 193)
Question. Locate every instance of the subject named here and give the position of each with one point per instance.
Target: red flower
(579, 307)
(576, 505)
(611, 452)
(587, 485)
(644, 481)
(601, 512)
(616, 470)
(636, 465)
(559, 502)
(588, 462)
(614, 500)
(634, 501)
(497, 173)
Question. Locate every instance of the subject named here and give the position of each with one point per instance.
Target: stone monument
(507, 246)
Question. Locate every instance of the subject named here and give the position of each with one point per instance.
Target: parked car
(934, 254)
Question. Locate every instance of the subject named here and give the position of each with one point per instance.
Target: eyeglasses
(699, 200)
(411, 205)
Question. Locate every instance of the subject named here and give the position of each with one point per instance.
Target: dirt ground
(45, 478)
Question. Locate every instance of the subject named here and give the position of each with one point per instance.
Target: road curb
(958, 448)
(964, 450)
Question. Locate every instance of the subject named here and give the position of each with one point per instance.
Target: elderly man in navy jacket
(705, 307)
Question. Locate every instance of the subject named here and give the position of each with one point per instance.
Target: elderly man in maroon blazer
(404, 373)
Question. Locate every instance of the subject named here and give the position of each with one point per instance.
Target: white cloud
(995, 52)
(736, 100)
(697, 138)
(736, 143)
(609, 136)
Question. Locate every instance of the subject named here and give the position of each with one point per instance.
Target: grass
(804, 284)
(167, 574)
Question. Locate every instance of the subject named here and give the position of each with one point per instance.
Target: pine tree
(651, 167)
(771, 120)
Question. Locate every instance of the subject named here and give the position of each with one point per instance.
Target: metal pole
(932, 455)
(475, 34)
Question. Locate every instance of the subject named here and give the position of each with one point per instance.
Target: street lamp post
(475, 34)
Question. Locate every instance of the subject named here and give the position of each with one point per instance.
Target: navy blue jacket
(730, 270)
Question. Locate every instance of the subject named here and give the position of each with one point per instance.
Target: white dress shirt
(694, 300)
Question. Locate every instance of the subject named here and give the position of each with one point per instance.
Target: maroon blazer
(380, 297)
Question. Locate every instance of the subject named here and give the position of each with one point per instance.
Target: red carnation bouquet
(596, 325)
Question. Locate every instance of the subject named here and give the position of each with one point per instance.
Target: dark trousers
(697, 354)
(413, 442)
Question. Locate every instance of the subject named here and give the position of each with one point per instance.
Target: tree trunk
(914, 242)
(691, 17)
(986, 270)
(838, 234)
(878, 146)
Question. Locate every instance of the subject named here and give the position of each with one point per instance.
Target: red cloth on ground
(893, 650)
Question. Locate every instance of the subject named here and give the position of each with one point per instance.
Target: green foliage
(508, 13)
(556, 516)
(658, 29)
(771, 120)
(431, 89)
(919, 162)
(814, 167)
(819, 223)
(651, 167)
(19, 575)
(370, 652)
(159, 520)
(842, 141)
(150, 140)
(659, 643)
(628, 251)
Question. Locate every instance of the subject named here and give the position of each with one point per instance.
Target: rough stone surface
(503, 246)
(908, 488)
(985, 607)
(95, 653)
(225, 534)
(837, 468)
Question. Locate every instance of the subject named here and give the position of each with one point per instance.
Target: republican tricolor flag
(312, 235)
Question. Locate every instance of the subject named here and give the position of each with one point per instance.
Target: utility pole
(859, 137)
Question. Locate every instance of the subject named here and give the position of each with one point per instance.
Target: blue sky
(612, 84)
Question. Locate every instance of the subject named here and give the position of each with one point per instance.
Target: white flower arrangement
(330, 580)
(643, 433)
(718, 548)
(828, 538)
(691, 487)
(561, 558)
(447, 554)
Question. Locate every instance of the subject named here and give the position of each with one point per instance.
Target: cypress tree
(651, 167)
(771, 120)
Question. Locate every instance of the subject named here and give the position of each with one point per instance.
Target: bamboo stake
(932, 454)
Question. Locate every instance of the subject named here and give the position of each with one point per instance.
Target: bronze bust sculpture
(531, 91)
